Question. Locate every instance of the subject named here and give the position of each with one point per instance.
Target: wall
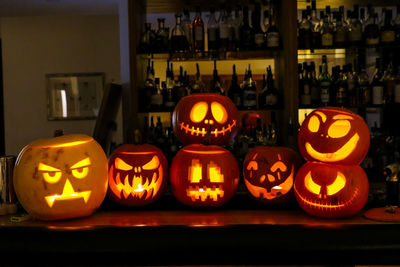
(36, 46)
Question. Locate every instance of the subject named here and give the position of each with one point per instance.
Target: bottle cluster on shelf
(158, 98)
(233, 30)
(348, 87)
(356, 27)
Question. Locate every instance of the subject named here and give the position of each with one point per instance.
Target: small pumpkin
(204, 175)
(269, 173)
(62, 177)
(137, 174)
(334, 135)
(331, 190)
(195, 114)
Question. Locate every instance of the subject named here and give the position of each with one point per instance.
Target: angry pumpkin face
(334, 135)
(137, 174)
(194, 115)
(330, 190)
(269, 173)
(203, 175)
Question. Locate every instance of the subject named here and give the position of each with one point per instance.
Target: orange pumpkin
(269, 173)
(204, 175)
(331, 190)
(334, 135)
(62, 177)
(137, 174)
(195, 114)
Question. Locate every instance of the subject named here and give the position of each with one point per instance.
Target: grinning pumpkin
(62, 177)
(204, 175)
(330, 190)
(195, 114)
(334, 135)
(137, 174)
(269, 173)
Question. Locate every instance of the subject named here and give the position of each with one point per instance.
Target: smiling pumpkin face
(195, 114)
(62, 177)
(330, 190)
(137, 174)
(334, 135)
(269, 173)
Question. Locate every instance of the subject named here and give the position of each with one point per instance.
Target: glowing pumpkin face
(334, 135)
(61, 178)
(203, 175)
(137, 174)
(195, 114)
(269, 173)
(330, 190)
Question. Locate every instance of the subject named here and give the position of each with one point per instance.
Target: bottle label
(198, 33)
(372, 41)
(212, 34)
(306, 89)
(388, 36)
(377, 95)
(271, 99)
(327, 39)
(355, 35)
(223, 31)
(237, 100)
(249, 99)
(324, 93)
(397, 93)
(273, 39)
(306, 100)
(259, 39)
(156, 100)
(340, 36)
(170, 104)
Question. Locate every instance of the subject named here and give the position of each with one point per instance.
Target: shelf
(302, 4)
(343, 49)
(242, 232)
(230, 55)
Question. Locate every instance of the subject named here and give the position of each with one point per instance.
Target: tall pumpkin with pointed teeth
(62, 177)
(195, 114)
(137, 174)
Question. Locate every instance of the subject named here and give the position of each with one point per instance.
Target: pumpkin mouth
(340, 154)
(203, 131)
(68, 194)
(202, 193)
(137, 187)
(324, 205)
(275, 191)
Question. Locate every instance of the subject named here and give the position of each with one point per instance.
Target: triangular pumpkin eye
(152, 164)
(122, 165)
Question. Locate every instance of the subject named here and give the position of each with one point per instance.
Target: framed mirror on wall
(74, 96)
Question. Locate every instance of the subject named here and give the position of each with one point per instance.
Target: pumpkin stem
(58, 132)
(206, 140)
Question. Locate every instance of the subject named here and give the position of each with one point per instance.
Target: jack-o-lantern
(269, 173)
(194, 115)
(330, 190)
(62, 177)
(334, 135)
(137, 174)
(204, 175)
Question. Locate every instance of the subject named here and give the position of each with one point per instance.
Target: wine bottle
(234, 92)
(198, 31)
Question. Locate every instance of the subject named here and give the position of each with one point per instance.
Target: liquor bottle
(325, 83)
(265, 25)
(270, 97)
(340, 34)
(273, 36)
(180, 87)
(148, 86)
(256, 23)
(178, 37)
(249, 92)
(342, 89)
(159, 134)
(377, 85)
(169, 96)
(397, 24)
(235, 93)
(355, 29)
(162, 37)
(216, 82)
(371, 31)
(246, 33)
(198, 31)
(259, 133)
(212, 31)
(326, 30)
(305, 98)
(389, 82)
(147, 39)
(151, 133)
(187, 27)
(365, 88)
(237, 25)
(314, 86)
(231, 31)
(388, 31)
(352, 86)
(397, 86)
(224, 29)
(305, 32)
(273, 133)
(198, 86)
(157, 97)
(315, 26)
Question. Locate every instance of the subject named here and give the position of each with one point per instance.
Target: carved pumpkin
(334, 135)
(137, 174)
(269, 173)
(62, 177)
(330, 190)
(204, 175)
(195, 114)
